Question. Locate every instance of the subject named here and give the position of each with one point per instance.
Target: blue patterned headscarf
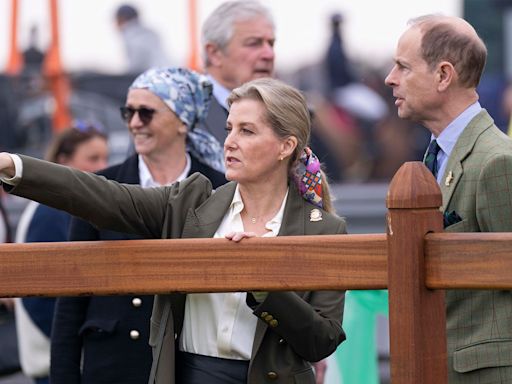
(188, 95)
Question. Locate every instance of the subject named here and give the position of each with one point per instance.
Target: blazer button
(281, 341)
(272, 375)
(134, 334)
(273, 323)
(268, 318)
(263, 314)
(136, 302)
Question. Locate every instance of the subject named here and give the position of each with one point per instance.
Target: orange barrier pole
(15, 61)
(52, 69)
(193, 59)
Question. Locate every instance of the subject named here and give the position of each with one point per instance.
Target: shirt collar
(273, 225)
(451, 133)
(220, 92)
(147, 181)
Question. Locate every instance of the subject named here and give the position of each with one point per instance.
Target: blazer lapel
(462, 149)
(292, 225)
(204, 220)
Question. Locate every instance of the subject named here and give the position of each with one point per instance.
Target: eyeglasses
(145, 114)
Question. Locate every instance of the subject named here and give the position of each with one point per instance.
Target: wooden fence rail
(411, 260)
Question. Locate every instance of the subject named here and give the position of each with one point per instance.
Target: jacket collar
(462, 149)
(204, 221)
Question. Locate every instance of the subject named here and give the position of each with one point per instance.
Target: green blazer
(295, 328)
(477, 184)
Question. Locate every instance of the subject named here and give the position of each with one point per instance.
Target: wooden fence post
(416, 314)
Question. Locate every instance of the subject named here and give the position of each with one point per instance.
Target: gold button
(268, 318)
(263, 314)
(134, 334)
(273, 323)
(272, 375)
(136, 302)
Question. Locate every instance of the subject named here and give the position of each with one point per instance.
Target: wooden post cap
(413, 186)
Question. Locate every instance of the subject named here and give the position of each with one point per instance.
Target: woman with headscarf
(277, 189)
(104, 339)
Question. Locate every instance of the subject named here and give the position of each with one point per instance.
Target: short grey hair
(218, 27)
(442, 41)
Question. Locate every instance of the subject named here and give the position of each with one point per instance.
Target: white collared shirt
(221, 324)
(449, 136)
(147, 181)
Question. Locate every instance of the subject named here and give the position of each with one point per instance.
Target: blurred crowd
(357, 134)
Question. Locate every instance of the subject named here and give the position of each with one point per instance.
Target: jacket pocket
(457, 227)
(494, 353)
(304, 377)
(97, 326)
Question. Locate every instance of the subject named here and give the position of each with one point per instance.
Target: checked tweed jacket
(477, 184)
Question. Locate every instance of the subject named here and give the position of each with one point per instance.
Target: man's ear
(214, 54)
(446, 75)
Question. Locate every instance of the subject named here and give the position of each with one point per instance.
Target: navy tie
(431, 157)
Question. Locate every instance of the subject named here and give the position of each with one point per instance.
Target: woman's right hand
(238, 236)
(6, 165)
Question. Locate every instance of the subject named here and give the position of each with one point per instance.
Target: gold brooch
(448, 179)
(315, 215)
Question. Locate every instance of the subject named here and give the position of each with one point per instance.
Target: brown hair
(66, 142)
(442, 41)
(288, 115)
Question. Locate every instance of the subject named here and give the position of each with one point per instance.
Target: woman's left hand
(237, 236)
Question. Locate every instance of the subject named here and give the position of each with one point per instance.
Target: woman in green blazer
(276, 189)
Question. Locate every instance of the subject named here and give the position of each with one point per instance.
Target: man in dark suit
(438, 64)
(238, 46)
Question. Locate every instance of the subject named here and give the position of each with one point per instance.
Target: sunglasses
(145, 114)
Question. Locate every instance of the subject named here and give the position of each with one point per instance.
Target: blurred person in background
(237, 41)
(337, 66)
(83, 147)
(105, 339)
(142, 45)
(237, 46)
